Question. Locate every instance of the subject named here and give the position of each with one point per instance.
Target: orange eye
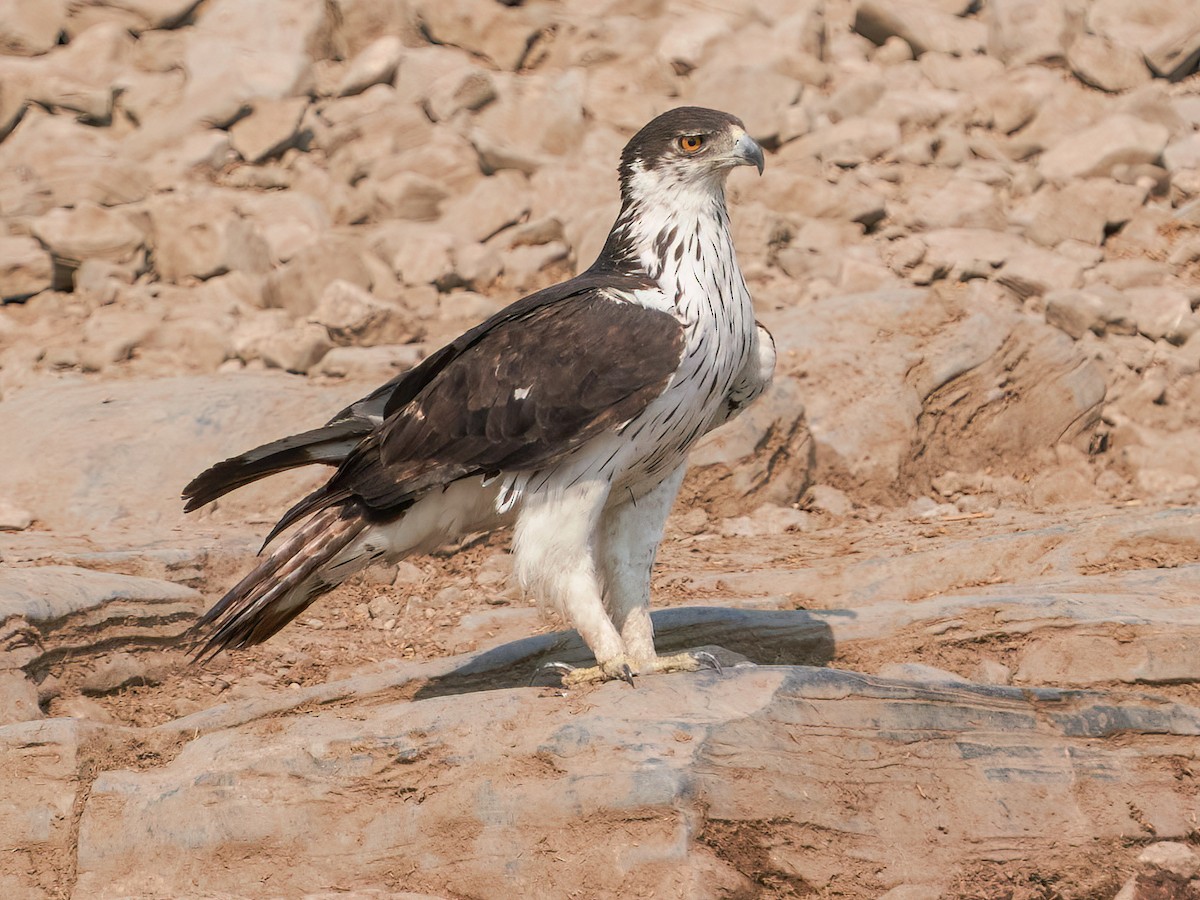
(690, 143)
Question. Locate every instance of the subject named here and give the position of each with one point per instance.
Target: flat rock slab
(695, 785)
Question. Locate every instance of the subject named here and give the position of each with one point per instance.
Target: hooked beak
(747, 152)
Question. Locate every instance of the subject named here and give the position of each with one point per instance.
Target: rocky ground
(959, 536)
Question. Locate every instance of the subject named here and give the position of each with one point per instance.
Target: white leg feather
(554, 561)
(629, 537)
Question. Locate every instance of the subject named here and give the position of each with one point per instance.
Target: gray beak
(747, 150)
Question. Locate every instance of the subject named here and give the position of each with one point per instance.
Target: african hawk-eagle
(568, 415)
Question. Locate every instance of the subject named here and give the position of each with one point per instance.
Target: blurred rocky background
(963, 522)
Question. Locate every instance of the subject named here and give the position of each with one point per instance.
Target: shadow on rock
(767, 637)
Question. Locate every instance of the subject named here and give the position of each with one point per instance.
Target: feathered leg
(553, 560)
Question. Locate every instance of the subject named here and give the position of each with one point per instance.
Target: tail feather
(328, 444)
(283, 585)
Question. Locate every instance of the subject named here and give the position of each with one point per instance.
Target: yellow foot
(619, 668)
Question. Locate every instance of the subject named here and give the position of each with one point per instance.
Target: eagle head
(687, 146)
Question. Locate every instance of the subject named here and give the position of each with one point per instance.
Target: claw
(626, 675)
(561, 668)
(703, 656)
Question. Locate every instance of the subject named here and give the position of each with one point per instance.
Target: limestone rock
(353, 316)
(492, 205)
(32, 28)
(89, 231)
(1027, 31)
(272, 127)
(298, 285)
(200, 236)
(13, 517)
(1117, 139)
(295, 349)
(25, 268)
(131, 486)
(923, 27)
(1105, 64)
(374, 64)
(501, 34)
(852, 142)
(1085, 210)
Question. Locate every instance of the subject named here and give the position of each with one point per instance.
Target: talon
(561, 668)
(703, 656)
(626, 675)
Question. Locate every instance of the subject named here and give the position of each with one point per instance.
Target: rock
(201, 235)
(828, 499)
(922, 27)
(959, 203)
(370, 364)
(30, 29)
(272, 127)
(492, 205)
(470, 89)
(199, 420)
(1183, 153)
(1086, 210)
(87, 232)
(1115, 140)
(314, 759)
(852, 142)
(1032, 271)
(230, 64)
(298, 286)
(500, 34)
(1172, 858)
(1105, 64)
(530, 121)
(374, 64)
(1029, 31)
(25, 268)
(1161, 313)
(296, 349)
(18, 698)
(123, 669)
(352, 316)
(406, 195)
(13, 517)
(1075, 312)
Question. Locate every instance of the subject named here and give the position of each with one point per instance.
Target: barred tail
(285, 583)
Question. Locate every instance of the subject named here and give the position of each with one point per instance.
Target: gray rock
(1115, 140)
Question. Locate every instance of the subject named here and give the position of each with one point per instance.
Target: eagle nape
(567, 416)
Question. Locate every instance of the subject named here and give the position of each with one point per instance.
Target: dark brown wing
(331, 443)
(528, 392)
(524, 393)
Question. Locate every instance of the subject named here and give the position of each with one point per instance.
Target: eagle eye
(690, 143)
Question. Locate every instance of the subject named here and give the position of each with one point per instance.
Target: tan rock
(299, 284)
(1029, 31)
(405, 195)
(493, 204)
(295, 349)
(13, 517)
(1083, 210)
(374, 64)
(1105, 64)
(352, 316)
(32, 28)
(88, 231)
(272, 127)
(25, 268)
(470, 88)
(852, 142)
(1117, 139)
(922, 27)
(503, 35)
(531, 120)
(201, 235)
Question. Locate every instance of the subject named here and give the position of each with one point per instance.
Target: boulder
(1116, 140)
(25, 268)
